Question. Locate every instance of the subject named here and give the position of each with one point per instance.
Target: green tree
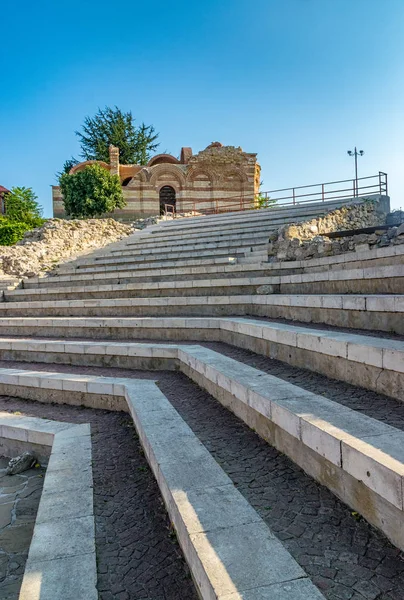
(67, 166)
(112, 126)
(92, 192)
(21, 205)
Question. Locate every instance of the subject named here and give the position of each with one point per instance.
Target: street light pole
(356, 153)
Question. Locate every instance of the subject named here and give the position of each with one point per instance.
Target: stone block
(70, 578)
(210, 508)
(378, 461)
(260, 560)
(299, 589)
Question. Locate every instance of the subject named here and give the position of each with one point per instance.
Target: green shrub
(34, 222)
(12, 232)
(92, 192)
(263, 201)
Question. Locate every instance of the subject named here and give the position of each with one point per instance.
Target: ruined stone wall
(200, 183)
(308, 239)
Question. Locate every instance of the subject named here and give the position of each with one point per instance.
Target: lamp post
(356, 153)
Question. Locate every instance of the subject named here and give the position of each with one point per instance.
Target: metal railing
(319, 192)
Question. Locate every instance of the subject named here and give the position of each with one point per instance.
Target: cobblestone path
(138, 557)
(345, 557)
(19, 501)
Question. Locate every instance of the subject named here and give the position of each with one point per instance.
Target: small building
(219, 178)
(3, 192)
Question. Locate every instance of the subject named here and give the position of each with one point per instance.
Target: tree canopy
(21, 205)
(112, 126)
(91, 192)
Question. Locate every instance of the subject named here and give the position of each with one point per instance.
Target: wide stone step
(153, 241)
(64, 525)
(217, 528)
(262, 223)
(388, 256)
(126, 263)
(237, 285)
(359, 458)
(297, 212)
(203, 248)
(375, 313)
(166, 274)
(365, 361)
(219, 235)
(148, 258)
(377, 280)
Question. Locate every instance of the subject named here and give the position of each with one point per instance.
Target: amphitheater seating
(158, 298)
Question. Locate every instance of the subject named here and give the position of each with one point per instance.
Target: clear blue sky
(297, 81)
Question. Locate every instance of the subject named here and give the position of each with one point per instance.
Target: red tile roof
(3, 189)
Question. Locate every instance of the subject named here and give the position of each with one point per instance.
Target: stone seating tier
(207, 281)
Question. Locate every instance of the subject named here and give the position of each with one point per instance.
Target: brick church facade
(217, 178)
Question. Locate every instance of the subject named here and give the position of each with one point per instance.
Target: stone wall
(202, 181)
(308, 239)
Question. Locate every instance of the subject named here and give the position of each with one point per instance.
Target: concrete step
(262, 223)
(64, 526)
(365, 361)
(127, 263)
(204, 287)
(204, 248)
(359, 458)
(168, 274)
(297, 212)
(8, 283)
(219, 234)
(374, 312)
(377, 280)
(169, 442)
(207, 254)
(373, 258)
(154, 241)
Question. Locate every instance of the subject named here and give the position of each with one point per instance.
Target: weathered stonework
(57, 241)
(308, 239)
(200, 182)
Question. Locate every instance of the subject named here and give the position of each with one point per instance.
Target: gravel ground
(345, 557)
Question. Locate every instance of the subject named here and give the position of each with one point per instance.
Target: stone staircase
(308, 354)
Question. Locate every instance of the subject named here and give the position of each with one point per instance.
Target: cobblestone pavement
(138, 557)
(345, 557)
(19, 501)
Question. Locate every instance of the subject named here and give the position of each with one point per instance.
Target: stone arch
(173, 176)
(194, 172)
(234, 177)
(84, 164)
(160, 159)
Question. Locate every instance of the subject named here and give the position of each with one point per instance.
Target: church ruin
(217, 178)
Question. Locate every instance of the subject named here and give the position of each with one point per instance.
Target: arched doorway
(167, 196)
